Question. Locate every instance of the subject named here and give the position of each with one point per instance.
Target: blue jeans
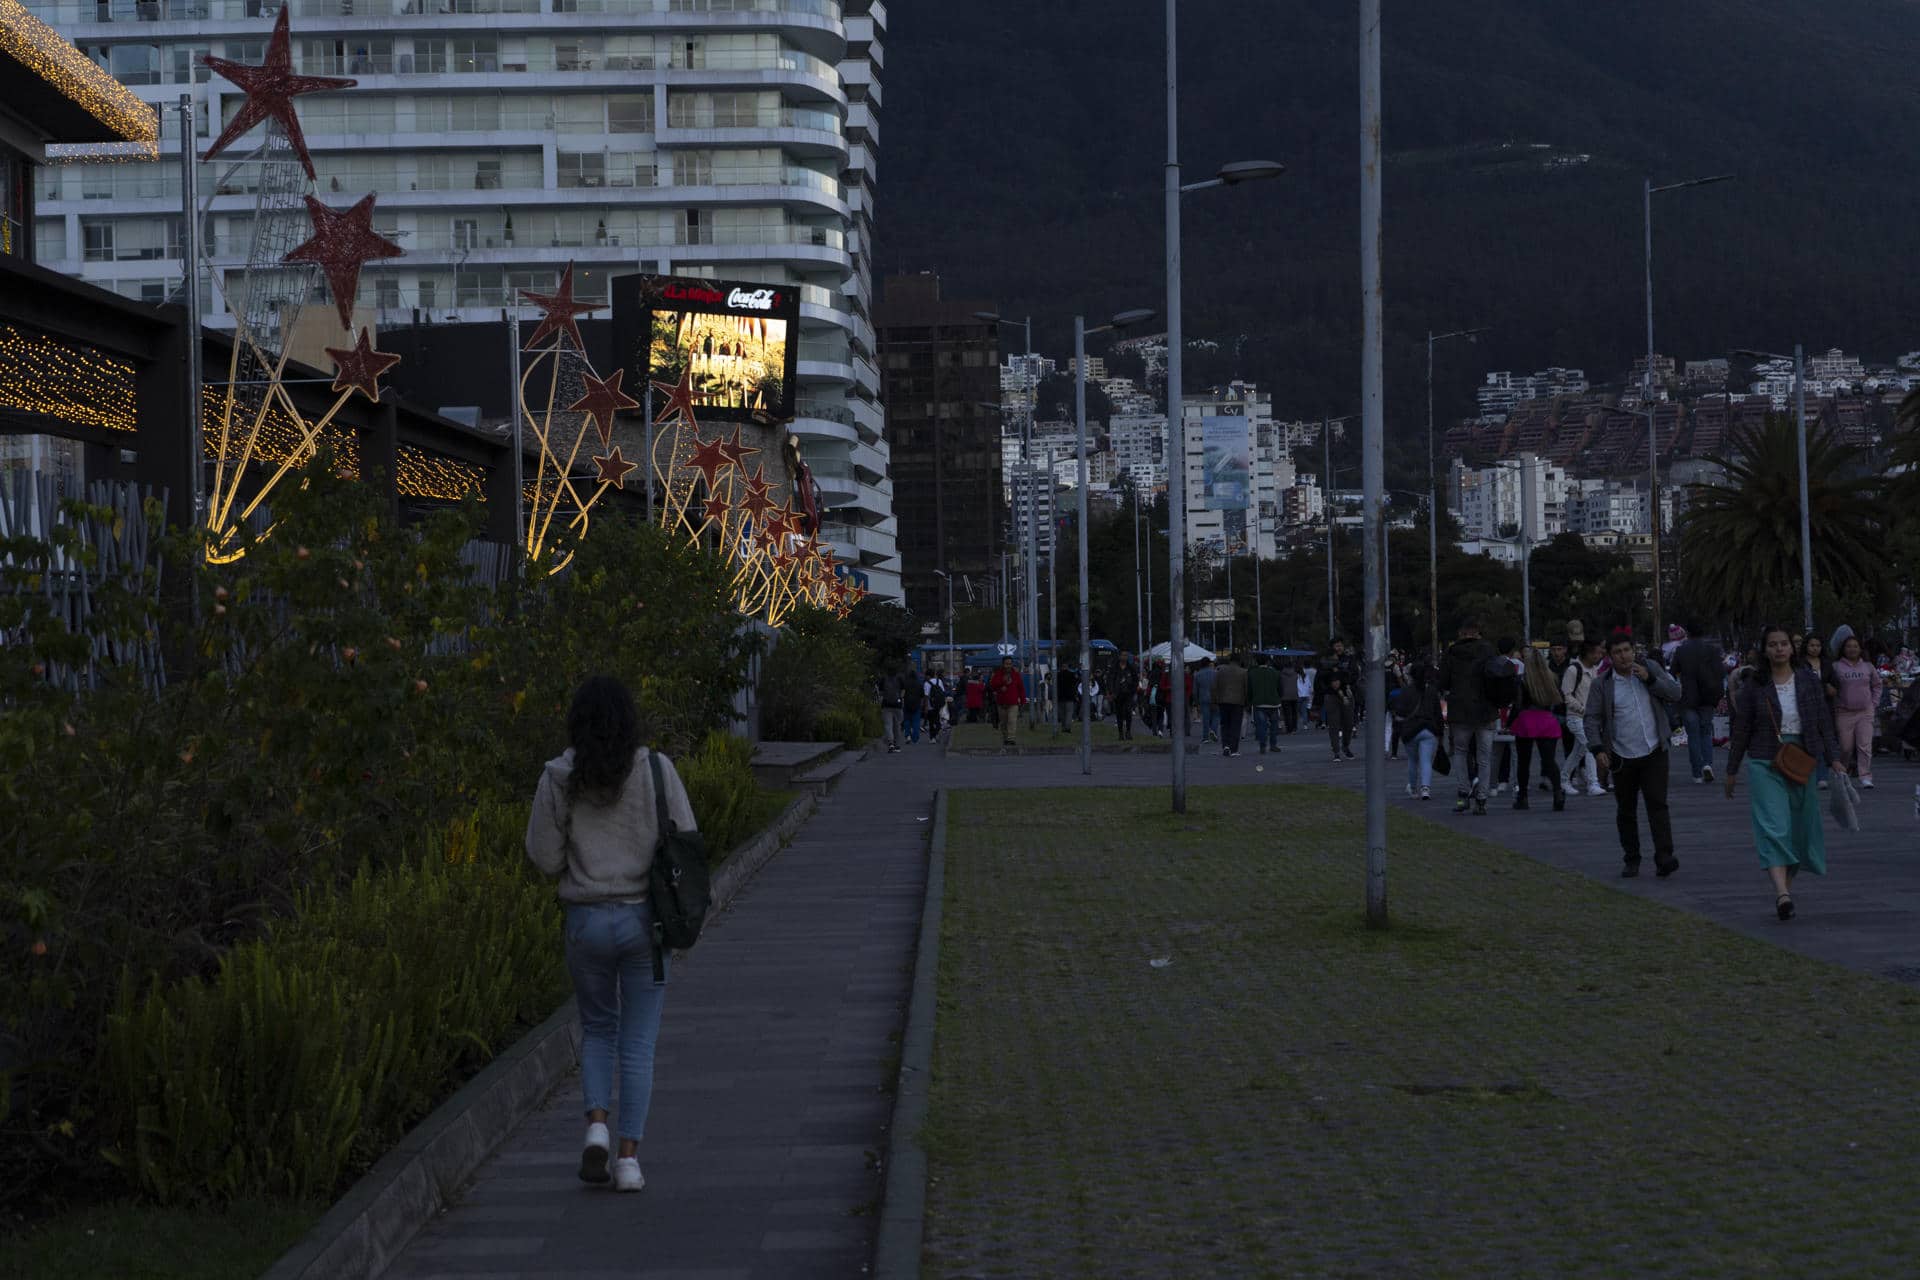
(1266, 726)
(1209, 719)
(1699, 724)
(610, 955)
(912, 719)
(1420, 759)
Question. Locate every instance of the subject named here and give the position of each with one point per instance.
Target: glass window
(630, 114)
(479, 53)
(96, 235)
(50, 239)
(580, 114)
(135, 64)
(581, 170)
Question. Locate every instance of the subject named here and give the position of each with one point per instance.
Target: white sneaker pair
(593, 1162)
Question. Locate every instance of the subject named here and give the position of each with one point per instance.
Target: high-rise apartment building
(1251, 523)
(941, 365)
(732, 139)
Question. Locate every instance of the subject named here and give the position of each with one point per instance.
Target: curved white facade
(506, 138)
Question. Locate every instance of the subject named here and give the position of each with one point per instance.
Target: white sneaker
(1866, 784)
(1409, 788)
(1426, 793)
(1706, 774)
(593, 1157)
(626, 1174)
(1595, 789)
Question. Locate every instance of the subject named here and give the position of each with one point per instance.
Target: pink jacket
(1856, 684)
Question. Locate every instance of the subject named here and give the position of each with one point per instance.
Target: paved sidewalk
(1865, 914)
(773, 1083)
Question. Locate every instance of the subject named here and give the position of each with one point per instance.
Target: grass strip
(131, 1241)
(1168, 1045)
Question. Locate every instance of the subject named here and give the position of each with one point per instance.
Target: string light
(40, 49)
(442, 479)
(75, 384)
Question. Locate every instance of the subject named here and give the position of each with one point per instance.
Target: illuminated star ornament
(341, 244)
(358, 368)
(560, 312)
(271, 88)
(602, 400)
(614, 468)
(679, 398)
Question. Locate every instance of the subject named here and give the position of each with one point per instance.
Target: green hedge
(312, 1049)
(719, 781)
(210, 872)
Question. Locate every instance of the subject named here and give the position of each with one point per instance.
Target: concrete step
(823, 778)
(777, 765)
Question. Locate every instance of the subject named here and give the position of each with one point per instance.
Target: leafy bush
(313, 1048)
(818, 666)
(846, 726)
(719, 779)
(347, 703)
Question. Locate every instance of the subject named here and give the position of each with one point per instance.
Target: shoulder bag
(678, 891)
(1790, 760)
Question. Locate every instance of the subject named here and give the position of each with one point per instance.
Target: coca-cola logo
(753, 299)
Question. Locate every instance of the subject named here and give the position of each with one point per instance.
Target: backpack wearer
(678, 888)
(1499, 682)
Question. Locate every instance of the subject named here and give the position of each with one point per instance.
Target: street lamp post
(1806, 509)
(1080, 332)
(1433, 495)
(948, 579)
(1646, 385)
(1139, 619)
(1228, 175)
(1372, 452)
(1029, 537)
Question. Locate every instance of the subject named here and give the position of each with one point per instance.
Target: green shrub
(845, 725)
(312, 1049)
(818, 666)
(719, 779)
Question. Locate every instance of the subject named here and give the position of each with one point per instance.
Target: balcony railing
(687, 113)
(819, 237)
(64, 12)
(825, 410)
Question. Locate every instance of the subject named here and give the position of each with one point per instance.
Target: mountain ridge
(1025, 143)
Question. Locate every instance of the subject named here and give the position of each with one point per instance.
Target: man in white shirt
(1627, 729)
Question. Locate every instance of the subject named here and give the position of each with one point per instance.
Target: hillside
(1022, 148)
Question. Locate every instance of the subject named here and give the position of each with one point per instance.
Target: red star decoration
(342, 243)
(560, 309)
(710, 459)
(358, 368)
(783, 521)
(759, 496)
(679, 396)
(737, 451)
(614, 468)
(602, 401)
(271, 88)
(717, 509)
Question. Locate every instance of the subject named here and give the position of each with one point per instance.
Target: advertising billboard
(740, 340)
(1227, 463)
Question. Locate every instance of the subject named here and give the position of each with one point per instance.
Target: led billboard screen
(739, 340)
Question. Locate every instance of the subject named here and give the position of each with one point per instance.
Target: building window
(386, 292)
(486, 175)
(96, 235)
(581, 170)
(627, 114)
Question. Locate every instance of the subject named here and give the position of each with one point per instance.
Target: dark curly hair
(603, 727)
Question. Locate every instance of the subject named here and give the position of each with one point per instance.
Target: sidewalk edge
(903, 1217)
(369, 1227)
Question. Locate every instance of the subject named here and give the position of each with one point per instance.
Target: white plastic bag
(1844, 801)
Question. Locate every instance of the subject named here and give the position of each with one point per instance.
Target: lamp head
(1127, 319)
(1249, 171)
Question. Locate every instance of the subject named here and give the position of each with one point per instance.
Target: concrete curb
(368, 1227)
(903, 1218)
(1192, 750)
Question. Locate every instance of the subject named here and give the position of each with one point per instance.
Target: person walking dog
(595, 825)
(1627, 730)
(1780, 724)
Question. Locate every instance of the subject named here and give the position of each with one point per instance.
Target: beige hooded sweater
(612, 846)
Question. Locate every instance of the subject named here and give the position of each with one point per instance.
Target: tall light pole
(948, 579)
(1139, 618)
(1433, 495)
(1646, 386)
(1326, 487)
(1372, 453)
(1080, 332)
(1806, 508)
(1030, 536)
(1228, 175)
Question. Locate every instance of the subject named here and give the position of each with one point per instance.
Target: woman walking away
(1536, 726)
(1421, 725)
(1779, 720)
(1810, 652)
(1336, 708)
(1856, 696)
(595, 826)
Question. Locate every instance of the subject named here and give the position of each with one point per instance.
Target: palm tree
(1741, 538)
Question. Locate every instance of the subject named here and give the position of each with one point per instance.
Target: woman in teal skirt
(1783, 704)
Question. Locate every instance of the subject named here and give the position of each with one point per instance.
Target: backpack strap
(662, 826)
